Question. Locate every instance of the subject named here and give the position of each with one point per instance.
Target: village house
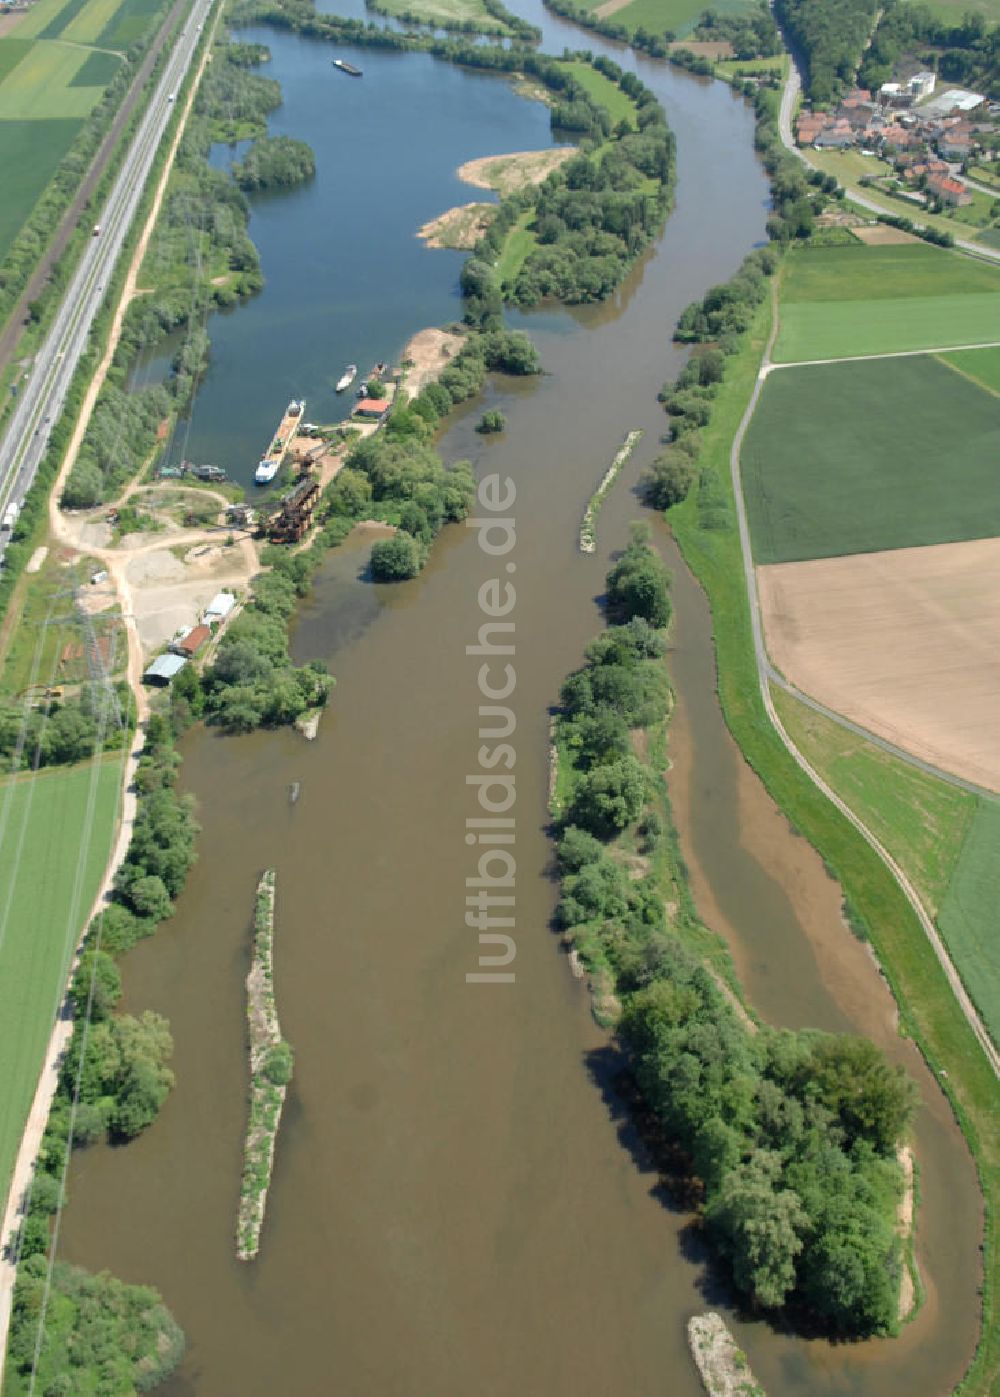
(949, 191)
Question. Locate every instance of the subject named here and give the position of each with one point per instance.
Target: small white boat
(267, 469)
(347, 377)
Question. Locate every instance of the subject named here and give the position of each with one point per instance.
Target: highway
(43, 393)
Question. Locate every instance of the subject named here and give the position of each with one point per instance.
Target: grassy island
(270, 1073)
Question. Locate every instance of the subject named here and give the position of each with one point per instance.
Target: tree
(492, 421)
(637, 584)
(395, 559)
(609, 797)
(150, 898)
(759, 1227)
(97, 986)
(668, 480)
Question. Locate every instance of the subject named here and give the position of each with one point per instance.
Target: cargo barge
(270, 463)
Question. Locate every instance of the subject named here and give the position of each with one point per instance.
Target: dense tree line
(275, 162)
(201, 231)
(831, 36)
(70, 729)
(790, 1136)
(252, 682)
(501, 22)
(966, 52)
(401, 479)
(752, 35)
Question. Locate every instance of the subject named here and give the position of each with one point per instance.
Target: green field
(50, 81)
(87, 26)
(444, 12)
(922, 821)
(604, 92)
(49, 877)
(857, 457)
(517, 245)
(968, 917)
(679, 16)
(841, 301)
(982, 365)
(30, 152)
(41, 86)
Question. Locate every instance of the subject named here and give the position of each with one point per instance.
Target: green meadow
(679, 16)
(54, 68)
(981, 365)
(857, 457)
(842, 301)
(56, 830)
(968, 917)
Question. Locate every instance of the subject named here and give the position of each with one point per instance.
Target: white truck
(10, 517)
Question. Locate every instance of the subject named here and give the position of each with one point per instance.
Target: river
(459, 1203)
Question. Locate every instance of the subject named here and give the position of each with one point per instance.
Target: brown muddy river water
(459, 1204)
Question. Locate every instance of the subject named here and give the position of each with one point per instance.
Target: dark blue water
(347, 279)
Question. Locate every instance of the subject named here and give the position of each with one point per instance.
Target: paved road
(44, 392)
(14, 329)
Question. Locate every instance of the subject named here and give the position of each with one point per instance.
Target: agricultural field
(842, 301)
(58, 822)
(54, 68)
(981, 365)
(658, 16)
(968, 918)
(446, 12)
(922, 821)
(905, 643)
(945, 839)
(865, 456)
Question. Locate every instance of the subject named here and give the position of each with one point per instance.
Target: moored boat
(347, 377)
(267, 469)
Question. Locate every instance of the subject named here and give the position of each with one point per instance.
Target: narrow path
(24, 1165)
(765, 672)
(770, 367)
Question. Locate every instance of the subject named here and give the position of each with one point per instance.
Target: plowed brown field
(906, 643)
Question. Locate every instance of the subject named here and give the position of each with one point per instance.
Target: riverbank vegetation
(58, 731)
(112, 1082)
(580, 230)
(200, 257)
(274, 162)
(100, 1335)
(271, 1061)
(252, 682)
(487, 17)
(791, 1136)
